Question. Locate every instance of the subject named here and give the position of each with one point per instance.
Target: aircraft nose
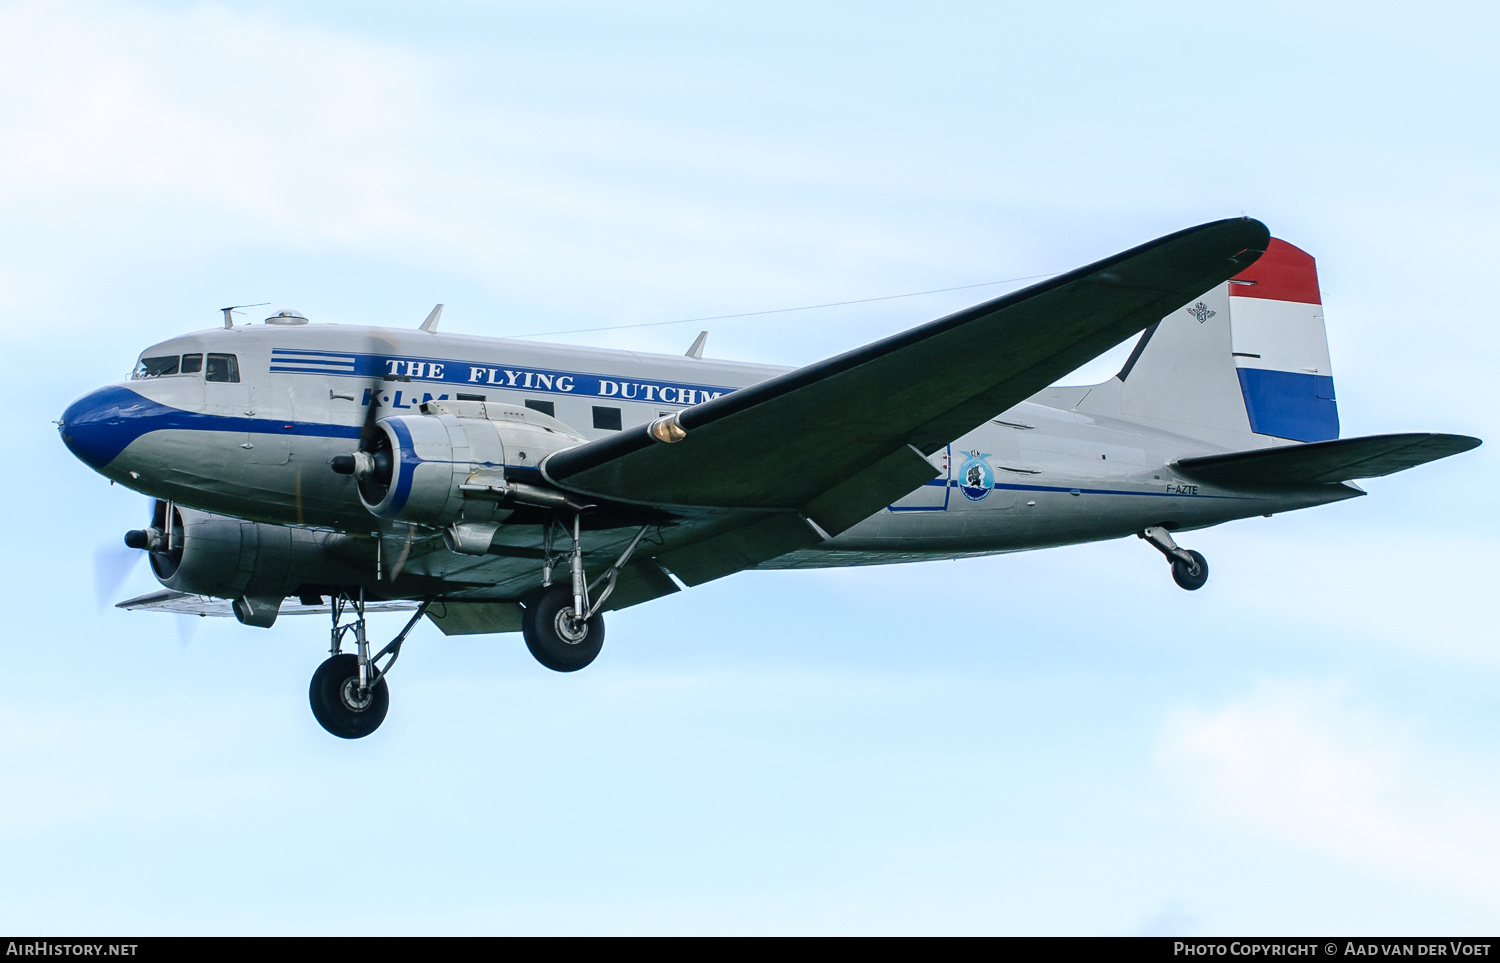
(98, 426)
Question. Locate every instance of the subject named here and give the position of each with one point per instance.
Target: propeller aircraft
(496, 485)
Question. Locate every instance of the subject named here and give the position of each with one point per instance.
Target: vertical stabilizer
(1244, 365)
(1281, 348)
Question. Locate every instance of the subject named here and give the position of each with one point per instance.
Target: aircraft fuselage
(245, 421)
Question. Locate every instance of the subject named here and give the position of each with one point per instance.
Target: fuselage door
(232, 392)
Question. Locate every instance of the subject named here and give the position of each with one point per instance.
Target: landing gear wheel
(552, 636)
(339, 706)
(1184, 576)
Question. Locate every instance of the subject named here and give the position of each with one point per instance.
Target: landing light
(667, 430)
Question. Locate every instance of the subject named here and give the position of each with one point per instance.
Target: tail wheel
(1190, 577)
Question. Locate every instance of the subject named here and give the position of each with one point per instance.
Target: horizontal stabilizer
(1324, 462)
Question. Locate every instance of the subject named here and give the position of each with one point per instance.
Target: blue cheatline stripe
(1290, 404)
(1103, 491)
(334, 354)
(1082, 491)
(103, 423)
(491, 376)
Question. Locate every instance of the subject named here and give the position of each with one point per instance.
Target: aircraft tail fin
(1246, 364)
(1324, 462)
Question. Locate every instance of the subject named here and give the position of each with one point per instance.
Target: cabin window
(223, 367)
(155, 367)
(463, 397)
(192, 363)
(607, 418)
(550, 410)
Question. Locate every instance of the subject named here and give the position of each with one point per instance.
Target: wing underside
(782, 464)
(183, 603)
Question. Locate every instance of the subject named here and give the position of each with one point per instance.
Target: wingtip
(1469, 443)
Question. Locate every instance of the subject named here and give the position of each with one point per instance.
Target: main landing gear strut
(349, 695)
(562, 627)
(1189, 569)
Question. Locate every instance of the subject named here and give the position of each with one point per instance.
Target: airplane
(497, 486)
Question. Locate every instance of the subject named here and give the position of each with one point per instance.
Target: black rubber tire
(1183, 577)
(539, 628)
(334, 712)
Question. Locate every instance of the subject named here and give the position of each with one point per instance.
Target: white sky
(1056, 742)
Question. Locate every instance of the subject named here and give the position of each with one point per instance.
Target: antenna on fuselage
(696, 351)
(432, 319)
(229, 321)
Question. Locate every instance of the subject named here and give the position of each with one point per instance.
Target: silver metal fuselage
(1043, 473)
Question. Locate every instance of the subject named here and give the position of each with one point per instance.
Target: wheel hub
(570, 630)
(355, 698)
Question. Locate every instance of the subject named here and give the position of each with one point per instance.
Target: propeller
(404, 556)
(113, 565)
(187, 627)
(372, 462)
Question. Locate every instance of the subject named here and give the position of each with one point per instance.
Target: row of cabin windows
(220, 367)
(605, 418)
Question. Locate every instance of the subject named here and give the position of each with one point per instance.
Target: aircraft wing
(183, 603)
(1324, 462)
(838, 440)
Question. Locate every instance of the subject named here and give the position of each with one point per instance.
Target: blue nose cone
(101, 424)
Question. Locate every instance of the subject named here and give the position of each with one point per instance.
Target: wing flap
(866, 492)
(1324, 462)
(641, 581)
(475, 618)
(744, 545)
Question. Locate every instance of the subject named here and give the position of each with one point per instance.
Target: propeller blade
(187, 627)
(112, 566)
(405, 554)
(380, 348)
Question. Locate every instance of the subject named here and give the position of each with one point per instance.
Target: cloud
(209, 129)
(1302, 765)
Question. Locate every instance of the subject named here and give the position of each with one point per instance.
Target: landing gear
(1189, 568)
(562, 628)
(555, 637)
(349, 695)
(1190, 576)
(341, 705)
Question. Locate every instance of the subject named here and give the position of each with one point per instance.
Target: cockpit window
(156, 367)
(223, 367)
(192, 363)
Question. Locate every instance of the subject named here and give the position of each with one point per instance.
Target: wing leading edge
(838, 440)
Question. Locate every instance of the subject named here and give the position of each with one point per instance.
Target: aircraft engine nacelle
(207, 554)
(447, 465)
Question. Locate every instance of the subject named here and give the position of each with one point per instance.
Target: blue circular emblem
(976, 479)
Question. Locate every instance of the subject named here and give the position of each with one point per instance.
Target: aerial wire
(805, 307)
